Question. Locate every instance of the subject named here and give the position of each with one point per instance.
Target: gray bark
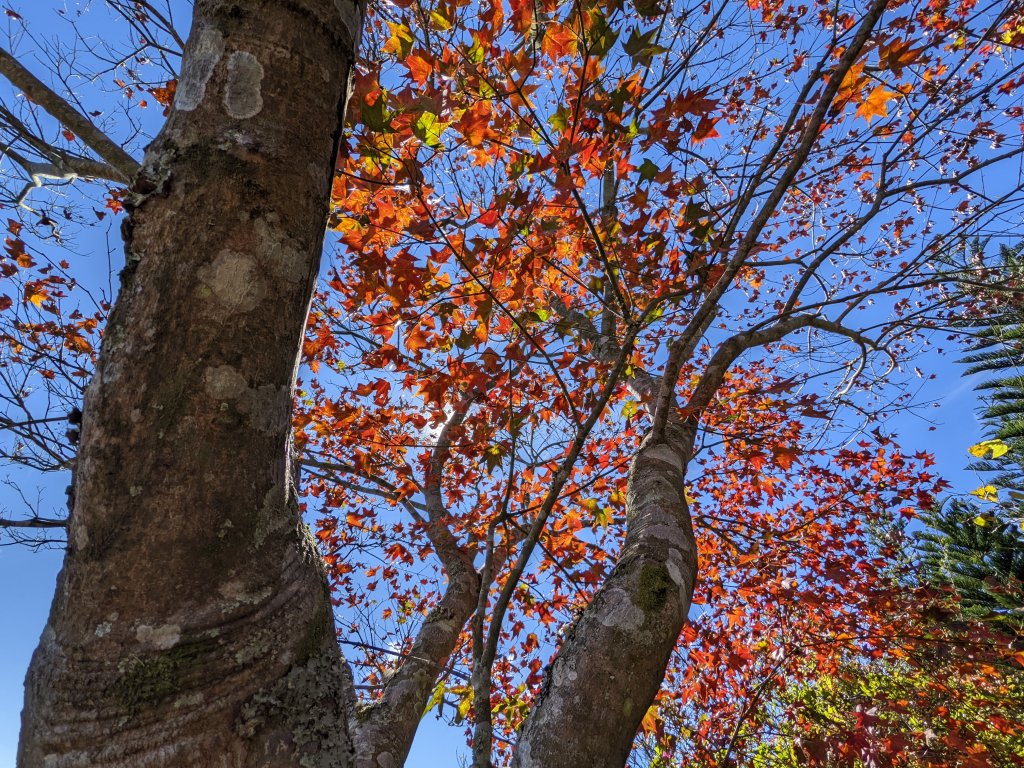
(613, 659)
(192, 623)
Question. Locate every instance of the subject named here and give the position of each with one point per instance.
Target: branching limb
(124, 164)
(729, 352)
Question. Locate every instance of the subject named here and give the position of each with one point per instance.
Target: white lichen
(619, 611)
(284, 261)
(232, 279)
(243, 97)
(199, 66)
(159, 638)
(224, 382)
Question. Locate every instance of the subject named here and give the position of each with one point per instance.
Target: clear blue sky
(27, 578)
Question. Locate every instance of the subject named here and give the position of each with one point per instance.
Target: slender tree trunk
(192, 622)
(613, 660)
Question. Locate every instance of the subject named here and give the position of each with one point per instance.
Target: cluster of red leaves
(36, 329)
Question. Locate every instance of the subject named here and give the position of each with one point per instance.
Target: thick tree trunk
(192, 623)
(613, 660)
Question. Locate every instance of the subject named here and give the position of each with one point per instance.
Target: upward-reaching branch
(390, 724)
(40, 93)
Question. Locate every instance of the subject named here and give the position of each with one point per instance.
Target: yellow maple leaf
(986, 493)
(997, 447)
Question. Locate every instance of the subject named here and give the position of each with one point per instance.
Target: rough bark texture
(613, 660)
(192, 623)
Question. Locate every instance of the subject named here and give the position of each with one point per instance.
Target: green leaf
(559, 121)
(428, 129)
(648, 170)
(642, 48)
(492, 457)
(649, 9)
(630, 408)
(601, 36)
(376, 116)
(476, 54)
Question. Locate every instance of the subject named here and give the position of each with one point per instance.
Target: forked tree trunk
(192, 622)
(613, 660)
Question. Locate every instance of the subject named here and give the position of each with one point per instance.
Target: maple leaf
(36, 293)
(165, 94)
(400, 41)
(419, 68)
(897, 54)
(475, 123)
(488, 218)
(705, 130)
(784, 456)
(416, 339)
(876, 104)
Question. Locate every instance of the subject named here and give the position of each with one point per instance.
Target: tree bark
(192, 623)
(613, 660)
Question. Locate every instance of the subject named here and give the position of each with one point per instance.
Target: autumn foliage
(558, 228)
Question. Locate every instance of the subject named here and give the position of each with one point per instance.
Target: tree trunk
(613, 660)
(192, 623)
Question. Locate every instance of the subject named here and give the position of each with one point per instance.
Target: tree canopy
(591, 421)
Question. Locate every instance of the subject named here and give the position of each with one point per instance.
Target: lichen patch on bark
(224, 382)
(242, 94)
(620, 613)
(160, 638)
(233, 281)
(198, 70)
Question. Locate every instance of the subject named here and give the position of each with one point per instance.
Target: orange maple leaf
(475, 123)
(705, 129)
(36, 293)
(876, 104)
(416, 339)
(419, 68)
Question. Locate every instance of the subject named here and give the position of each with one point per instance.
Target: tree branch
(40, 93)
(33, 522)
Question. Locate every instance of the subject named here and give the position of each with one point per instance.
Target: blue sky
(27, 578)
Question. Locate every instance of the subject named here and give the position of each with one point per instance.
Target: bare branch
(124, 164)
(33, 522)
